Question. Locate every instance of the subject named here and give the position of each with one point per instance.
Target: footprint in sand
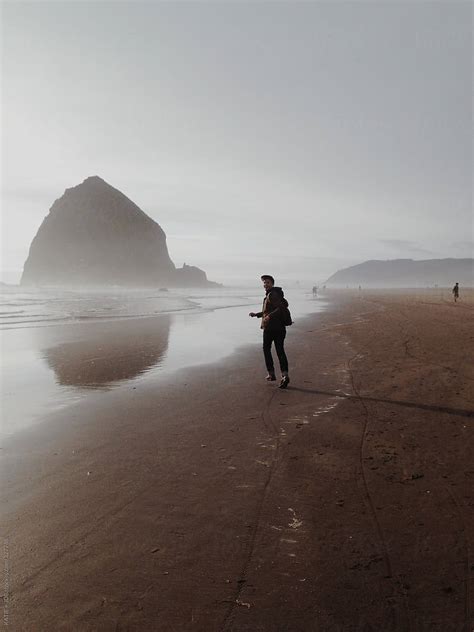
(295, 522)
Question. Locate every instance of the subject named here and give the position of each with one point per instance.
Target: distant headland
(405, 273)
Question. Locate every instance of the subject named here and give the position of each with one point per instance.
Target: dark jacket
(272, 304)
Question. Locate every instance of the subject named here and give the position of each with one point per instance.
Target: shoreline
(146, 384)
(48, 367)
(343, 502)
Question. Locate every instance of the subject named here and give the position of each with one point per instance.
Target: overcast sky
(288, 137)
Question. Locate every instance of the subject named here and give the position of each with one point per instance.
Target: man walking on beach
(456, 292)
(274, 329)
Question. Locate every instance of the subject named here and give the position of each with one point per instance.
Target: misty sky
(288, 137)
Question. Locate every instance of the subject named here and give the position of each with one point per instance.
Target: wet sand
(218, 502)
(47, 366)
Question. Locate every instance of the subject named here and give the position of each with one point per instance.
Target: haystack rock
(95, 236)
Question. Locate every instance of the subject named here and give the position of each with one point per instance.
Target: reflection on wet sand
(105, 353)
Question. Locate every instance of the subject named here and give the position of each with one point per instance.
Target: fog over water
(290, 138)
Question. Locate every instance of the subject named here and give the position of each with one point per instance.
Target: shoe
(271, 377)
(285, 380)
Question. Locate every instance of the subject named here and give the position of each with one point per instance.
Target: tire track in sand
(269, 424)
(369, 500)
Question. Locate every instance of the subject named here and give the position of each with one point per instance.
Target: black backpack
(285, 314)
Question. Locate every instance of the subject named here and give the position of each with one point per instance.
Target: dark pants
(278, 337)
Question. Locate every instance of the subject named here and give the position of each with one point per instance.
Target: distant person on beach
(315, 291)
(456, 292)
(274, 316)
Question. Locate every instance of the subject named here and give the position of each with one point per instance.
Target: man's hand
(266, 319)
(252, 314)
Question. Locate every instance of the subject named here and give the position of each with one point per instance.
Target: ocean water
(60, 346)
(42, 307)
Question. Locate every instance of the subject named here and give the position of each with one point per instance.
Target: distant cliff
(95, 236)
(406, 273)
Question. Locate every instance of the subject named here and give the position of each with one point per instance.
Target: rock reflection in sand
(106, 353)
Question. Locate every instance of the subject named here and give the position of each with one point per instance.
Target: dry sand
(220, 503)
